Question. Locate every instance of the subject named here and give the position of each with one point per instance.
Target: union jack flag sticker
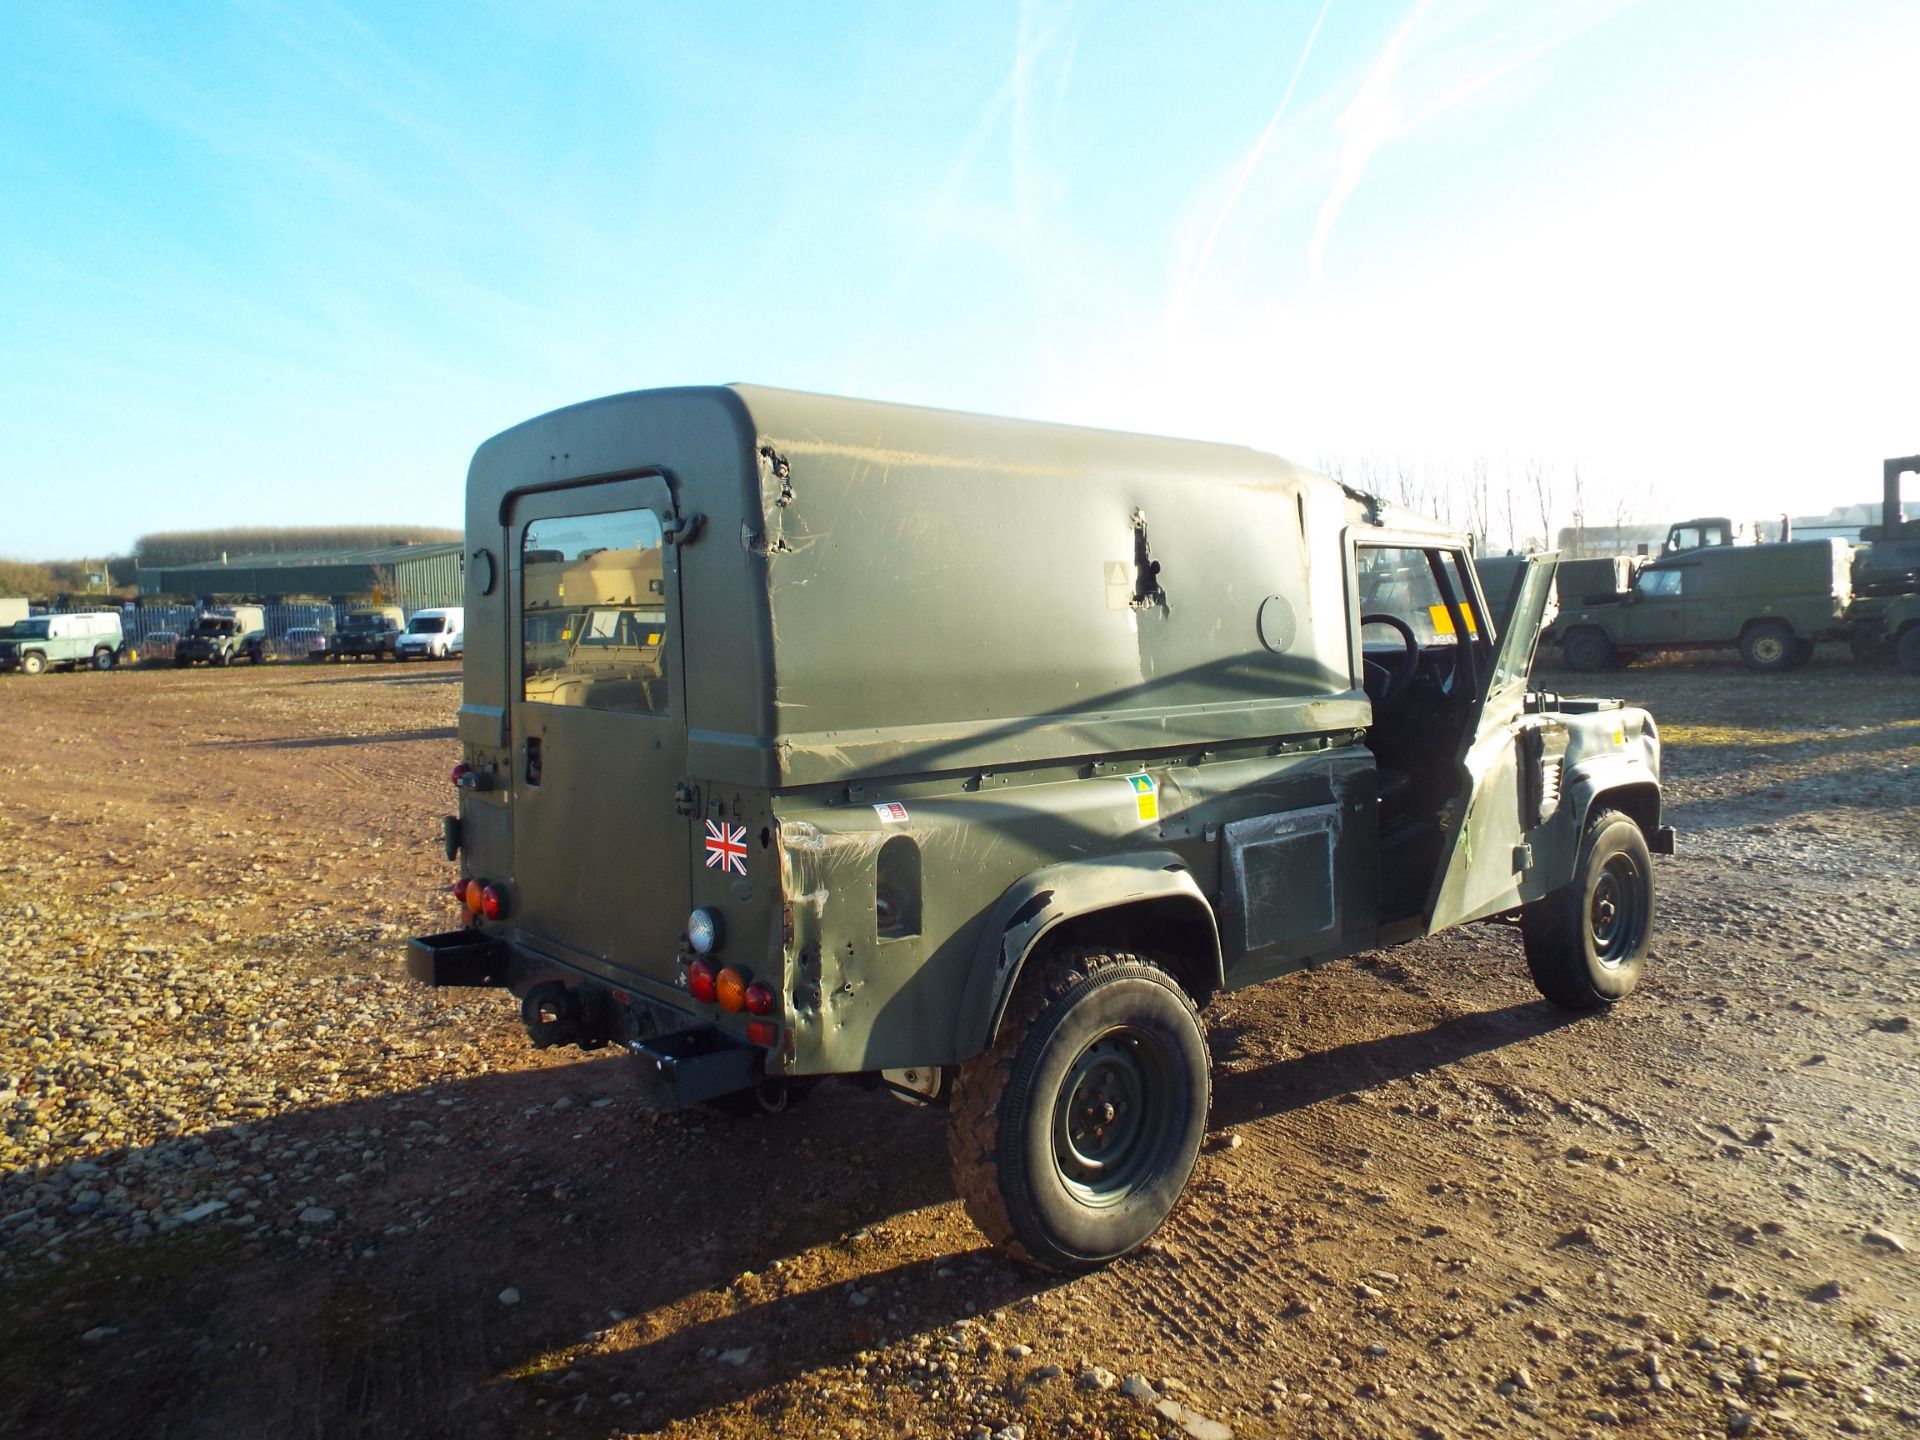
(727, 847)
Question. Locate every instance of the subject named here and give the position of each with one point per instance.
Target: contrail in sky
(1194, 276)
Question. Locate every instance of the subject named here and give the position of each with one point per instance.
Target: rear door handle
(532, 766)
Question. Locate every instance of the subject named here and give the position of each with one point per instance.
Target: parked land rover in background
(429, 634)
(970, 757)
(220, 637)
(62, 642)
(371, 632)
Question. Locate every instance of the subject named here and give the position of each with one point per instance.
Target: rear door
(601, 855)
(1485, 857)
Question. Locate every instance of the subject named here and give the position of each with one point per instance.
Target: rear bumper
(458, 958)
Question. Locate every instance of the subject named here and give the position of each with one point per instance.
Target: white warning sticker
(891, 813)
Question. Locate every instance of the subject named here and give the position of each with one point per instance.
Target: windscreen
(426, 625)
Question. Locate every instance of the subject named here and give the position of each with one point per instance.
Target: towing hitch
(458, 957)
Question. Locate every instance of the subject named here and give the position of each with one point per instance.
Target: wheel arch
(1147, 901)
(1753, 622)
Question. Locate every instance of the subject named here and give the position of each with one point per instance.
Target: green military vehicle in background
(220, 637)
(970, 758)
(1885, 618)
(1773, 602)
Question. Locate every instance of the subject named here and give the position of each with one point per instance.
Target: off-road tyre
(1587, 942)
(1768, 647)
(1587, 650)
(256, 654)
(33, 663)
(1907, 649)
(1869, 648)
(1101, 1028)
(104, 659)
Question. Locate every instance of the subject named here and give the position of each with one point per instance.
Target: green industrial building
(414, 577)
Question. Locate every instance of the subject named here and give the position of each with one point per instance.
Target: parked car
(304, 640)
(429, 633)
(62, 642)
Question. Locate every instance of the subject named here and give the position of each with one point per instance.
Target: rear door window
(593, 618)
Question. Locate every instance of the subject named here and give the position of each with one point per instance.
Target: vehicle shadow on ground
(372, 1324)
(714, 1236)
(1258, 1092)
(325, 742)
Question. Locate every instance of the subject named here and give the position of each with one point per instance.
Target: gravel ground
(251, 1182)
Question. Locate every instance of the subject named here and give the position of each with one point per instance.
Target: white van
(430, 634)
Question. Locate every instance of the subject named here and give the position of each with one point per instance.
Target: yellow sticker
(1443, 619)
(1146, 796)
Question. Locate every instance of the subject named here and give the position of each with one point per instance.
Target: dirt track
(1431, 1205)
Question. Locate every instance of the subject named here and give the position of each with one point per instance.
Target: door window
(593, 608)
(1659, 582)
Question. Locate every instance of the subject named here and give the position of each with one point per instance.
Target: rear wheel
(103, 659)
(33, 663)
(1587, 650)
(1073, 1137)
(1768, 646)
(256, 654)
(1587, 942)
(1907, 649)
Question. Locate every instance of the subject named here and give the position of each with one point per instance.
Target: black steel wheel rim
(1115, 1113)
(1614, 913)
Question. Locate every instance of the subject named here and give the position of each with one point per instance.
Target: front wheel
(33, 663)
(1072, 1138)
(1767, 646)
(1587, 942)
(1588, 651)
(1907, 650)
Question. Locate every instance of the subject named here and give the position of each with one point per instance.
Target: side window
(593, 613)
(1399, 582)
(1659, 582)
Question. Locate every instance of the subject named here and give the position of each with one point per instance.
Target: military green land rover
(970, 757)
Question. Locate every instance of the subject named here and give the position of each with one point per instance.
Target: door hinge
(686, 798)
(1522, 858)
(680, 529)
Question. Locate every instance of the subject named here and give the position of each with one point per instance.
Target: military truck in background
(220, 637)
(1772, 602)
(804, 736)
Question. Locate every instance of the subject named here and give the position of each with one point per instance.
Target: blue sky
(277, 263)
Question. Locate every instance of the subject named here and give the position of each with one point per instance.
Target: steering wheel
(1391, 681)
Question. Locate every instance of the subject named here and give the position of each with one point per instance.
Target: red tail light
(759, 998)
(460, 772)
(763, 1032)
(459, 888)
(493, 902)
(700, 982)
